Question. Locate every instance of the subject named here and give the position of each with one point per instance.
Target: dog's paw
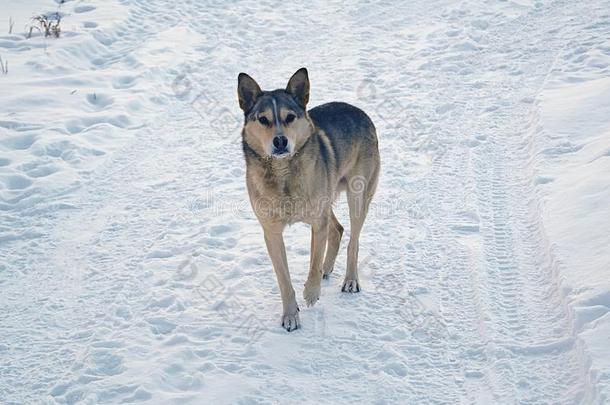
(290, 321)
(327, 273)
(351, 286)
(311, 293)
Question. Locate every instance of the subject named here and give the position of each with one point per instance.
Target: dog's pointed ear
(298, 86)
(247, 92)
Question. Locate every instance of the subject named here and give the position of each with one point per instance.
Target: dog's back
(344, 123)
(352, 136)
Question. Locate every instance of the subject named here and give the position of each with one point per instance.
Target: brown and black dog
(297, 163)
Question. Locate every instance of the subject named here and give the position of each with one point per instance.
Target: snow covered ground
(132, 268)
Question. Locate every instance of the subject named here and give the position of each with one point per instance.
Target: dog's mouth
(280, 154)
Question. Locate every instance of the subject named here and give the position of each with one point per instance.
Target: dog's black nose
(280, 142)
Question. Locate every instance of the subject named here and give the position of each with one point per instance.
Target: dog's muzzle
(280, 146)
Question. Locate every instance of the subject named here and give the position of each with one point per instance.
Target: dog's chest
(287, 198)
(291, 200)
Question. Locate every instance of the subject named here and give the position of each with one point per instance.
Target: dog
(297, 163)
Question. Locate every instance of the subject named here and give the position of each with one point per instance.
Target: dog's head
(276, 122)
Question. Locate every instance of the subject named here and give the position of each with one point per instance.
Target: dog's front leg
(277, 252)
(319, 236)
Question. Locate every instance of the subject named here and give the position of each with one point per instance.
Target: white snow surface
(133, 270)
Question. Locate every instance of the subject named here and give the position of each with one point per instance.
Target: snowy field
(133, 270)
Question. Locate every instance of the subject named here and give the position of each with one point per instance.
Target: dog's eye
(290, 118)
(263, 120)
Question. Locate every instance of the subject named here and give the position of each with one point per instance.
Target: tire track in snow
(521, 313)
(530, 326)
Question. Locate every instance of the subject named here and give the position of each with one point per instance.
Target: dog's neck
(278, 168)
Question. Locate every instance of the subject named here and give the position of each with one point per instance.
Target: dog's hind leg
(335, 232)
(319, 237)
(359, 196)
(277, 253)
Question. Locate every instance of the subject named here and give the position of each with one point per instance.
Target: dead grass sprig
(49, 25)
